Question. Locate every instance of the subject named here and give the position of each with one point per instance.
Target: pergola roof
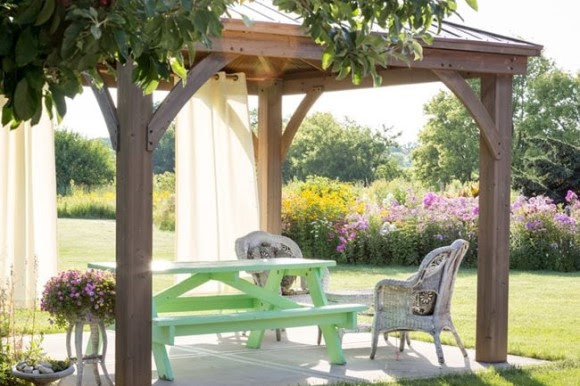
(264, 12)
(275, 46)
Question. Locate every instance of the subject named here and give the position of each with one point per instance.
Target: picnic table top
(171, 267)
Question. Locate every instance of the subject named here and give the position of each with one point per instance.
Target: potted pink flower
(74, 296)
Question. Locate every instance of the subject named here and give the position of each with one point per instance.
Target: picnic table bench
(177, 312)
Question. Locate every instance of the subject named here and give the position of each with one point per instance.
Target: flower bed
(402, 230)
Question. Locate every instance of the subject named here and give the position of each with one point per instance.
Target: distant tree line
(546, 135)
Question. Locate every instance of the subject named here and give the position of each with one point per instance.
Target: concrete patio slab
(223, 359)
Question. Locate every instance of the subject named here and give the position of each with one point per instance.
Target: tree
(164, 154)
(550, 167)
(86, 162)
(347, 152)
(46, 45)
(546, 104)
(448, 144)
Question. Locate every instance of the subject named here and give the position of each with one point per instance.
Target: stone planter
(42, 379)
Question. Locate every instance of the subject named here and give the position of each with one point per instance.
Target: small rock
(35, 372)
(45, 364)
(28, 369)
(45, 370)
(20, 366)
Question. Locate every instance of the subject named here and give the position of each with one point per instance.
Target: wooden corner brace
(181, 93)
(455, 82)
(296, 120)
(108, 110)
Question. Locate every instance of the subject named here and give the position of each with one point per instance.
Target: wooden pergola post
(134, 235)
(269, 156)
(494, 218)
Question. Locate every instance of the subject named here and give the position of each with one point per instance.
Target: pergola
(280, 59)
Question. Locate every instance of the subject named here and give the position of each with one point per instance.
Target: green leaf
(28, 12)
(59, 101)
(96, 31)
(6, 42)
(69, 41)
(177, 68)
(26, 48)
(7, 114)
(472, 4)
(418, 50)
(327, 57)
(46, 12)
(25, 103)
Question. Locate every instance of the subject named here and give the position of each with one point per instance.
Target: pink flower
(571, 196)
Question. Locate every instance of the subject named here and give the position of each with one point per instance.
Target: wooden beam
(302, 83)
(296, 47)
(133, 234)
(269, 160)
(296, 120)
(455, 82)
(494, 230)
(181, 93)
(108, 109)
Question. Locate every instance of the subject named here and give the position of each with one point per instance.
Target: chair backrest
(279, 244)
(264, 245)
(437, 272)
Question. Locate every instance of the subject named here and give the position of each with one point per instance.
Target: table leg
(164, 370)
(330, 332)
(273, 285)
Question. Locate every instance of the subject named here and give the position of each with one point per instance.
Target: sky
(550, 24)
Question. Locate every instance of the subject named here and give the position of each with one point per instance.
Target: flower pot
(42, 379)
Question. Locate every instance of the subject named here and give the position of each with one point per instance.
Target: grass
(543, 320)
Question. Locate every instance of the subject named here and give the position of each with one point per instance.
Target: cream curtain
(216, 188)
(28, 249)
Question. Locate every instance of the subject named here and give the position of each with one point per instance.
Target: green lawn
(544, 320)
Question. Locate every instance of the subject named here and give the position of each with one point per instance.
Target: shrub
(312, 212)
(164, 201)
(98, 204)
(544, 236)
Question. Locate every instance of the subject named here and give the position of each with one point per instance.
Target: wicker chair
(264, 245)
(422, 302)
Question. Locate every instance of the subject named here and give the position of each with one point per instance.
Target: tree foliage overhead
(87, 162)
(46, 45)
(347, 152)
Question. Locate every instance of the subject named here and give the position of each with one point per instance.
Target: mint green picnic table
(254, 308)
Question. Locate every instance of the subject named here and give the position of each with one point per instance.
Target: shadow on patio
(223, 359)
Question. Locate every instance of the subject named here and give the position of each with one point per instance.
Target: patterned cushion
(424, 302)
(268, 251)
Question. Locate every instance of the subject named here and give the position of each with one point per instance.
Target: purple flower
(429, 199)
(534, 225)
(564, 219)
(571, 196)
